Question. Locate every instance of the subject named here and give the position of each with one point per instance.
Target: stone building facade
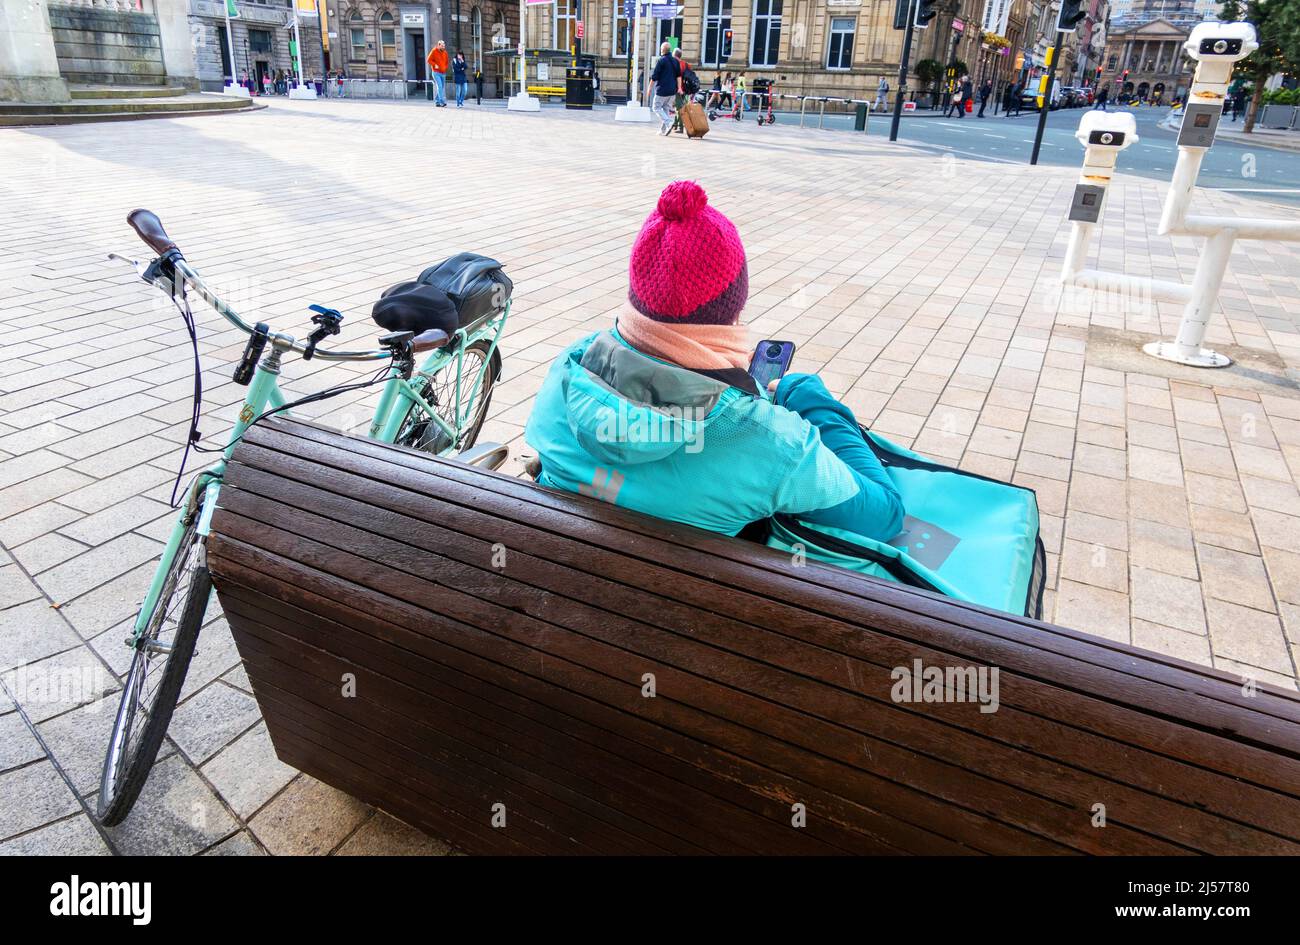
(45, 46)
(809, 47)
(1147, 61)
(389, 39)
(261, 35)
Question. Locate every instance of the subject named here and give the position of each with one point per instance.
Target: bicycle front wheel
(160, 659)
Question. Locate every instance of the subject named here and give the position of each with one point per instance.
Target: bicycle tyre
(124, 773)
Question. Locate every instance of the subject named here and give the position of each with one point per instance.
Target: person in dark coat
(1013, 99)
(959, 98)
(986, 93)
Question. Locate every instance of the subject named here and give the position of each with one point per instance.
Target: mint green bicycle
(438, 408)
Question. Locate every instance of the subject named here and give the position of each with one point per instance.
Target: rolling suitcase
(694, 120)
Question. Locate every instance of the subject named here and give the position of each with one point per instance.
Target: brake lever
(135, 264)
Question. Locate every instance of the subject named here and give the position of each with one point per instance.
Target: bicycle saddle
(411, 306)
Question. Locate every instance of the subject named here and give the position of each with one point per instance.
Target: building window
(565, 18)
(387, 38)
(839, 51)
(717, 22)
(765, 46)
(357, 38)
(622, 47)
(1114, 61)
(260, 41)
(670, 29)
(476, 34)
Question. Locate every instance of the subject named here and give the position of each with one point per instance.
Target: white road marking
(989, 134)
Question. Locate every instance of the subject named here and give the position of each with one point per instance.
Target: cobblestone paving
(923, 289)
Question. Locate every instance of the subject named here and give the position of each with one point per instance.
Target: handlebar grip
(150, 229)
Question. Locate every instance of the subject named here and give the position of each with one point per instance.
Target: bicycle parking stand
(1216, 47)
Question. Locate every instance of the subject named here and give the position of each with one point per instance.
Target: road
(1228, 166)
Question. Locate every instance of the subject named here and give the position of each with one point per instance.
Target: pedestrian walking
(437, 60)
(882, 95)
(478, 84)
(666, 83)
(727, 91)
(1016, 93)
(1238, 103)
(460, 75)
(688, 85)
(959, 96)
(986, 93)
(1100, 100)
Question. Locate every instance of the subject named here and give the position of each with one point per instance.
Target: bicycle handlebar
(186, 272)
(150, 229)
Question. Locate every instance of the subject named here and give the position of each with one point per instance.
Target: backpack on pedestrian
(690, 81)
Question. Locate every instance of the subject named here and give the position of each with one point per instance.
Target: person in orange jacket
(437, 61)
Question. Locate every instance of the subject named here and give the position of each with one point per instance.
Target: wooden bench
(454, 645)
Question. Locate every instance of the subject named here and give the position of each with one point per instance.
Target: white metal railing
(371, 88)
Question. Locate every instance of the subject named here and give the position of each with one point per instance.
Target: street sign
(577, 31)
(909, 106)
(630, 10)
(663, 11)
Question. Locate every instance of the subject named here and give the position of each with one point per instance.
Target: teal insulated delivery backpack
(966, 536)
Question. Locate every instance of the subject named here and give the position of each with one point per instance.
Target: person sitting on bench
(659, 415)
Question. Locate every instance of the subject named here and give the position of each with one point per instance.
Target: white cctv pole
(634, 89)
(302, 90)
(634, 110)
(522, 101)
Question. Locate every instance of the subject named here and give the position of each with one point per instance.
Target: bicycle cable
(194, 436)
(196, 407)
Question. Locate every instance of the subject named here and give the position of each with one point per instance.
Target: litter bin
(578, 89)
(860, 119)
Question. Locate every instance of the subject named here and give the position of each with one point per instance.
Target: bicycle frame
(398, 398)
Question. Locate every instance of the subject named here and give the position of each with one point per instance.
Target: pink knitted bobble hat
(688, 264)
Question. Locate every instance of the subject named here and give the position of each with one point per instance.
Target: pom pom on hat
(688, 263)
(682, 200)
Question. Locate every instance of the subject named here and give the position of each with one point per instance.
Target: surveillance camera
(1221, 41)
(1113, 131)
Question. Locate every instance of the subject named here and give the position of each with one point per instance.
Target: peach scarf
(699, 347)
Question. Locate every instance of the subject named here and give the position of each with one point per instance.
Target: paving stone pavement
(923, 289)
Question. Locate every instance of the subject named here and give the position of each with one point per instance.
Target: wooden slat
(522, 683)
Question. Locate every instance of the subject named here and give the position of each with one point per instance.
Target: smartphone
(771, 361)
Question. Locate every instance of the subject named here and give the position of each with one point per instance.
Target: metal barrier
(372, 88)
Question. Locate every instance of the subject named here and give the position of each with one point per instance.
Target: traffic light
(726, 44)
(925, 12)
(1071, 13)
